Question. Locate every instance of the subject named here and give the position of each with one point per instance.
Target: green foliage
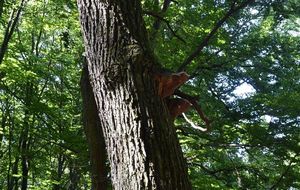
(40, 99)
(254, 141)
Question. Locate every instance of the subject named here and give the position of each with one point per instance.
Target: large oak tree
(141, 143)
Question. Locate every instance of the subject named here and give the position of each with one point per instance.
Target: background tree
(41, 135)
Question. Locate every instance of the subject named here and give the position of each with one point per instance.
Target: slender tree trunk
(4, 117)
(142, 145)
(94, 134)
(24, 151)
(11, 167)
(61, 158)
(13, 181)
(24, 138)
(11, 26)
(59, 172)
(1, 8)
(74, 175)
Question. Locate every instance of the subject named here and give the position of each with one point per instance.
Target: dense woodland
(243, 58)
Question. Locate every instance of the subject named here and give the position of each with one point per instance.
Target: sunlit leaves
(257, 47)
(41, 79)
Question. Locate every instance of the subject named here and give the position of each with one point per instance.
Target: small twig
(157, 21)
(167, 23)
(284, 173)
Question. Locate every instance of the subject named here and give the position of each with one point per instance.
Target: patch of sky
(244, 90)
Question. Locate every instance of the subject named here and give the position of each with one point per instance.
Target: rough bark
(94, 134)
(142, 146)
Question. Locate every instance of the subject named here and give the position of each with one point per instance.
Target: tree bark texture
(94, 134)
(141, 143)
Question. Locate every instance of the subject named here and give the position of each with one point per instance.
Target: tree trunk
(57, 175)
(11, 26)
(93, 133)
(4, 117)
(74, 175)
(141, 143)
(13, 181)
(24, 146)
(1, 8)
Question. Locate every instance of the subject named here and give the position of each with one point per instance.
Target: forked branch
(233, 9)
(167, 23)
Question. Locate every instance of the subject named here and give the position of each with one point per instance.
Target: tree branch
(205, 41)
(1, 7)
(10, 29)
(157, 21)
(285, 172)
(167, 23)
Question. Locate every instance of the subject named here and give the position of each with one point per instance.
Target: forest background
(246, 75)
